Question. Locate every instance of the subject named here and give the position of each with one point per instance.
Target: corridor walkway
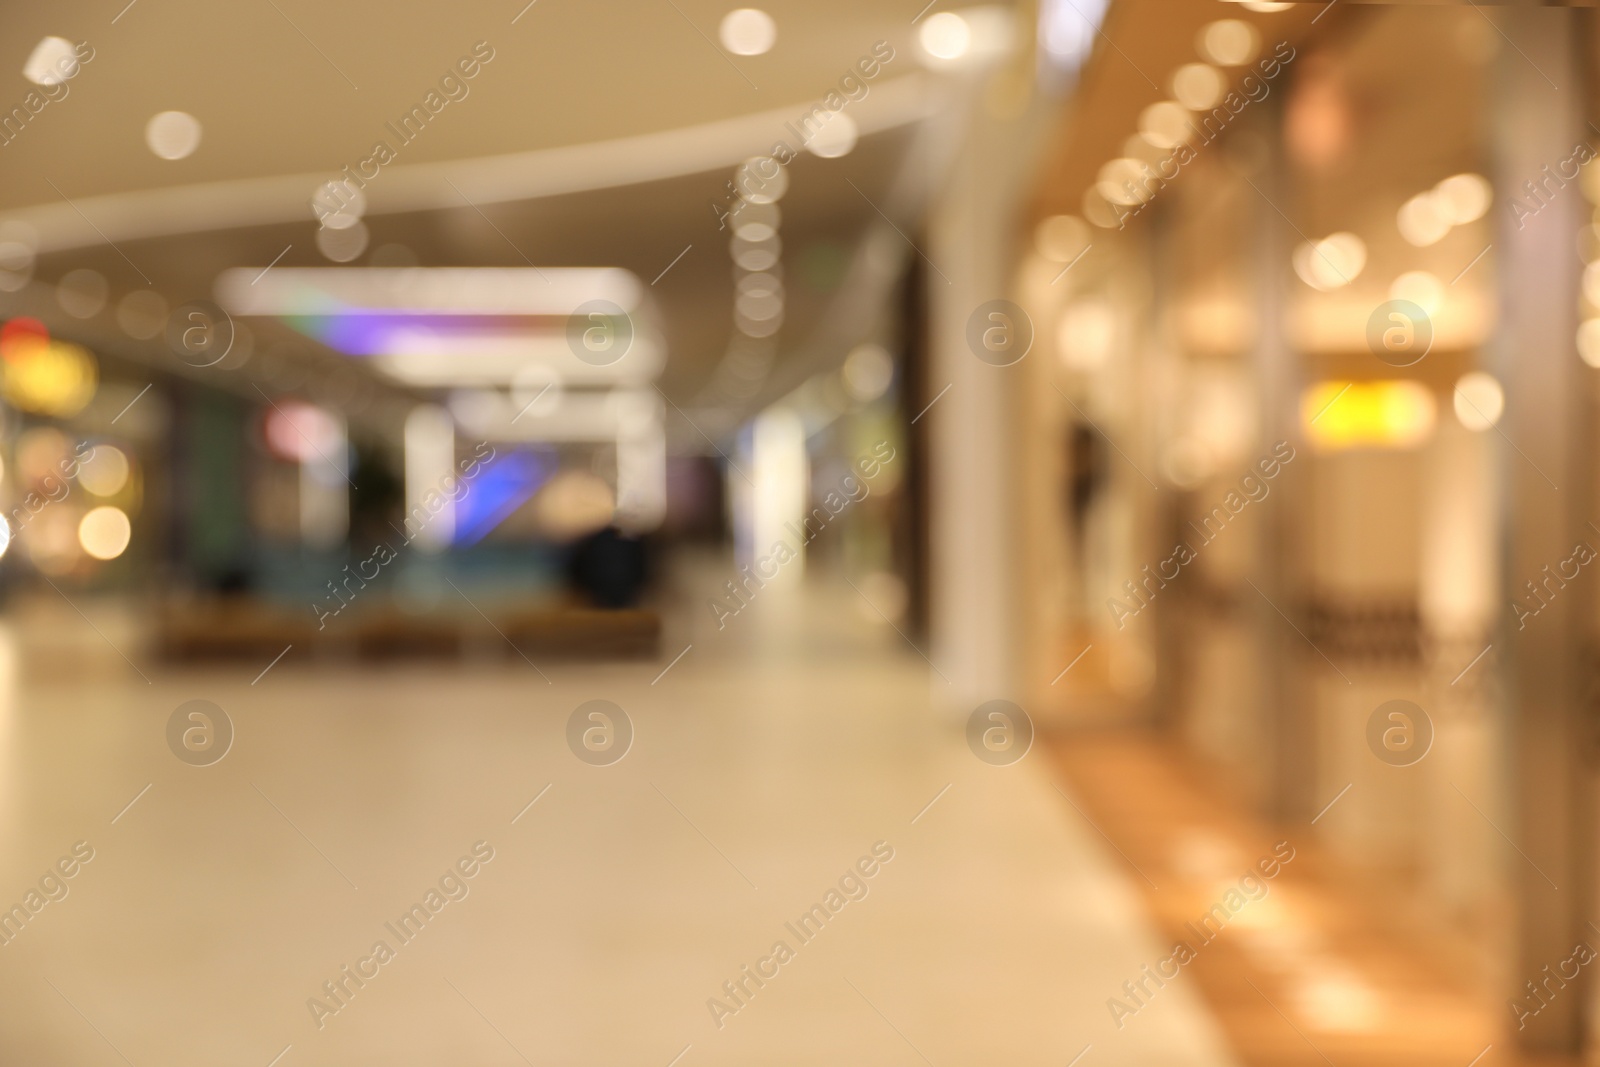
(777, 761)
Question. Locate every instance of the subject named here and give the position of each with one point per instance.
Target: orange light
(22, 336)
(44, 376)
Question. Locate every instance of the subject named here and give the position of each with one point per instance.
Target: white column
(972, 431)
(430, 459)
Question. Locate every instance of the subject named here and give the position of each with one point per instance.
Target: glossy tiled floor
(1319, 965)
(766, 763)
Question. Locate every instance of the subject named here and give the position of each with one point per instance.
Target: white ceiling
(598, 135)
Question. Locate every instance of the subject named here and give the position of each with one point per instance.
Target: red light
(22, 336)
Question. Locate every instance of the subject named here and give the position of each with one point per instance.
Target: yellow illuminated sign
(1338, 415)
(48, 377)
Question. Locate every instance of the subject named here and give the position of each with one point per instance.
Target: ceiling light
(173, 134)
(760, 283)
(1463, 198)
(1589, 181)
(1332, 262)
(945, 36)
(1421, 222)
(1165, 125)
(105, 532)
(759, 305)
(1229, 42)
(343, 244)
(338, 204)
(1479, 400)
(1061, 238)
(1139, 147)
(835, 138)
(1589, 243)
(746, 31)
(1421, 288)
(82, 293)
(1098, 210)
(16, 265)
(1344, 253)
(1121, 182)
(756, 231)
(297, 292)
(752, 256)
(765, 216)
(762, 327)
(761, 180)
(1068, 29)
(1591, 283)
(52, 62)
(759, 296)
(18, 244)
(1301, 260)
(1589, 342)
(1197, 86)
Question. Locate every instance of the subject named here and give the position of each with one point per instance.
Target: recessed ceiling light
(82, 293)
(756, 222)
(834, 138)
(52, 62)
(1098, 210)
(747, 31)
(173, 134)
(18, 242)
(945, 36)
(756, 255)
(1166, 125)
(1061, 238)
(338, 204)
(761, 180)
(342, 244)
(1229, 42)
(1197, 86)
(1123, 181)
(1463, 198)
(1421, 221)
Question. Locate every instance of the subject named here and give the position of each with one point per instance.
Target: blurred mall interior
(890, 532)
